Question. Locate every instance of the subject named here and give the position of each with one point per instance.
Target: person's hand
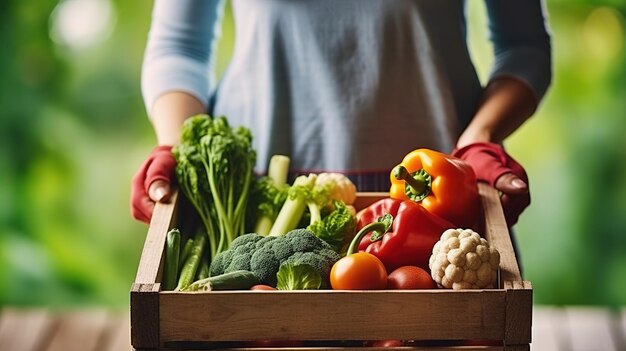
(152, 182)
(495, 166)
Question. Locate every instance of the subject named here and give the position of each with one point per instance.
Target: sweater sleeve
(180, 49)
(522, 44)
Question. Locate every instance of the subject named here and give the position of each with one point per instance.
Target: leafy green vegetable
(214, 170)
(336, 226)
(302, 276)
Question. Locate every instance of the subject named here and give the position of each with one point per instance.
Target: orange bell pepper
(443, 184)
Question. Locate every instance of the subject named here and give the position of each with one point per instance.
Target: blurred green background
(74, 130)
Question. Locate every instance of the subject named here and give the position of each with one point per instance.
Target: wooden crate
(435, 319)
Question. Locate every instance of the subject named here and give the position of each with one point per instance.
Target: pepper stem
(417, 185)
(382, 225)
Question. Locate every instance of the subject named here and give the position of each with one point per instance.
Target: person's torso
(350, 85)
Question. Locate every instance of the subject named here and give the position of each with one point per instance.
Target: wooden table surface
(24, 329)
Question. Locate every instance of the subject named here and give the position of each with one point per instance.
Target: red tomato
(262, 287)
(358, 271)
(410, 277)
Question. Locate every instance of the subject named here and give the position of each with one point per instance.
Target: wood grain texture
(497, 233)
(519, 301)
(118, 333)
(365, 199)
(25, 329)
(554, 329)
(144, 315)
(152, 254)
(332, 315)
(79, 331)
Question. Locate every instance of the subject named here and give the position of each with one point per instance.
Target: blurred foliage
(74, 129)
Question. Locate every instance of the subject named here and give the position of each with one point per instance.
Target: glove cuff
(489, 160)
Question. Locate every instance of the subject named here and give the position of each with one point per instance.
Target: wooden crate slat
(25, 329)
(152, 254)
(79, 331)
(332, 315)
(144, 315)
(589, 329)
(363, 200)
(519, 301)
(497, 233)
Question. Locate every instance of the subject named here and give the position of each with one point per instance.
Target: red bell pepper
(408, 239)
(443, 184)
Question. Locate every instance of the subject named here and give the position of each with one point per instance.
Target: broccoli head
(264, 255)
(237, 257)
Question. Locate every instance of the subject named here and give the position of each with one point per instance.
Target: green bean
(172, 252)
(186, 250)
(203, 269)
(188, 272)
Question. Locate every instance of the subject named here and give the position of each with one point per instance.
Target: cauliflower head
(339, 186)
(462, 259)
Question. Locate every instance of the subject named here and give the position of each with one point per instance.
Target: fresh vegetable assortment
(263, 233)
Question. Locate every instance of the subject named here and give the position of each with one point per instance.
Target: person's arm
(506, 104)
(176, 74)
(169, 112)
(520, 77)
(175, 82)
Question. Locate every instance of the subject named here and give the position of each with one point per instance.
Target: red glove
(490, 162)
(159, 166)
